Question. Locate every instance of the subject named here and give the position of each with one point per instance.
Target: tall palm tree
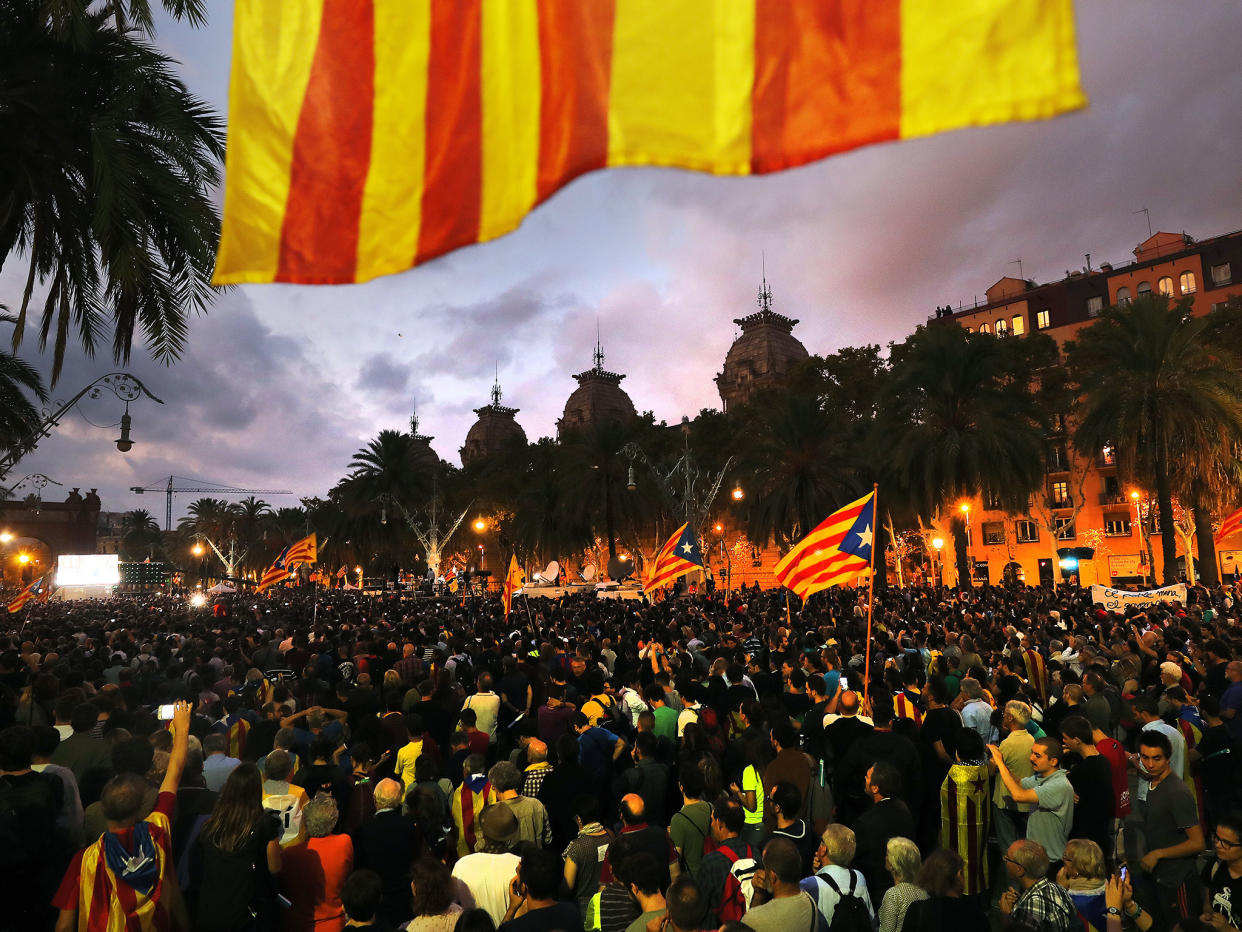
(1155, 382)
(106, 192)
(394, 463)
(19, 418)
(141, 536)
(964, 419)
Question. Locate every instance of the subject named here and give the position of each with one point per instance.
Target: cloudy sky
(281, 384)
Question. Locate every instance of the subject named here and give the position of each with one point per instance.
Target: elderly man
(533, 824)
(1015, 752)
(833, 878)
(217, 765)
(537, 768)
(129, 872)
(1036, 902)
(388, 843)
(975, 710)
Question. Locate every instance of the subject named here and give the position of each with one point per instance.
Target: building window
(1043, 320)
(994, 533)
(984, 328)
(1019, 325)
(970, 329)
(1144, 288)
(1108, 455)
(1060, 493)
(1166, 285)
(1117, 526)
(992, 502)
(1057, 460)
(1095, 304)
(1189, 285)
(1123, 296)
(1002, 327)
(1027, 531)
(1065, 528)
(1221, 274)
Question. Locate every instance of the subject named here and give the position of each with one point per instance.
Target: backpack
(739, 888)
(851, 913)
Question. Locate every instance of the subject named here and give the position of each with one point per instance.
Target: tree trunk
(879, 544)
(965, 578)
(1168, 536)
(1208, 574)
(609, 525)
(1056, 560)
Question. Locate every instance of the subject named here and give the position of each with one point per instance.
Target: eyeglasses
(1225, 842)
(1014, 863)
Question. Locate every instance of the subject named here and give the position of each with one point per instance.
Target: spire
(765, 293)
(599, 352)
(496, 388)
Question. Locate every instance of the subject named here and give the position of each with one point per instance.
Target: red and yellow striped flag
(30, 592)
(965, 806)
(367, 136)
(837, 551)
(1230, 525)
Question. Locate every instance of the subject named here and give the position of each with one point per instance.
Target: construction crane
(169, 488)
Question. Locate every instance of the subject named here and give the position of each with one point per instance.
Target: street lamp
(358, 570)
(937, 543)
(480, 525)
(125, 386)
(197, 550)
(738, 494)
(5, 537)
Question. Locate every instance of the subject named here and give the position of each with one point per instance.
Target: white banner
(1118, 600)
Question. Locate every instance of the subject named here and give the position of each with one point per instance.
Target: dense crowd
(316, 761)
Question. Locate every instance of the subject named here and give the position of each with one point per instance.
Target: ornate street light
(126, 387)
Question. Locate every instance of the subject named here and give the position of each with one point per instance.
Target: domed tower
(598, 398)
(493, 431)
(762, 356)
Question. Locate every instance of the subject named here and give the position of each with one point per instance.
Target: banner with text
(1118, 600)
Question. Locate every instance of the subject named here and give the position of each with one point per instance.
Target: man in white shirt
(832, 870)
(486, 873)
(486, 706)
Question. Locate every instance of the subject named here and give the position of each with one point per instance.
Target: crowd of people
(1012, 757)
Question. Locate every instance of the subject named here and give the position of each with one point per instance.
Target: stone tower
(599, 398)
(762, 356)
(493, 431)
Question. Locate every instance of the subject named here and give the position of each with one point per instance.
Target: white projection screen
(87, 575)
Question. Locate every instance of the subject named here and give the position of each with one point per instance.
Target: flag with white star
(681, 554)
(836, 552)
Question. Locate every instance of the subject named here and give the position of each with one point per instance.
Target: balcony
(1113, 498)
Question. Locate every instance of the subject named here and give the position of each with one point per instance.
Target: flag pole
(875, 495)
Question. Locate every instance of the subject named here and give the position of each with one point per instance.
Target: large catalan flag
(514, 580)
(680, 555)
(33, 591)
(1231, 525)
(835, 552)
(367, 136)
(289, 559)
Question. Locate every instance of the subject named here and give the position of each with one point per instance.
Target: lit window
(1043, 320)
(1019, 325)
(1095, 304)
(1002, 327)
(970, 329)
(1065, 529)
(994, 533)
(1057, 459)
(1222, 274)
(1108, 455)
(1060, 493)
(1118, 526)
(984, 328)
(1144, 288)
(1166, 285)
(1123, 296)
(1027, 531)
(1188, 283)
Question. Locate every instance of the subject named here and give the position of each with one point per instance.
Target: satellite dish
(588, 572)
(619, 569)
(552, 572)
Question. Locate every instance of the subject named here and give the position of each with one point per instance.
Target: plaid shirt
(1043, 908)
(408, 669)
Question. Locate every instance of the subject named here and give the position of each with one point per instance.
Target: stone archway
(1013, 574)
(26, 558)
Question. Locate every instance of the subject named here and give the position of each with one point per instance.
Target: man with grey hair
(217, 765)
(486, 706)
(532, 817)
(282, 797)
(1009, 816)
(537, 768)
(1036, 902)
(387, 843)
(976, 712)
(833, 878)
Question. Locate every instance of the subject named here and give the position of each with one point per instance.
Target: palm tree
(142, 534)
(397, 464)
(1155, 382)
(964, 418)
(66, 14)
(19, 418)
(109, 164)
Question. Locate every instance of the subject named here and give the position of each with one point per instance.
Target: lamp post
(964, 508)
(358, 570)
(937, 543)
(126, 387)
(1142, 513)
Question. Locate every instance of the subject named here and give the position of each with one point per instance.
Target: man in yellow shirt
(409, 754)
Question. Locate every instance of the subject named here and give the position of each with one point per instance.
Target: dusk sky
(281, 384)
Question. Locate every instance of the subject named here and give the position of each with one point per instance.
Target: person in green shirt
(665, 715)
(644, 876)
(692, 823)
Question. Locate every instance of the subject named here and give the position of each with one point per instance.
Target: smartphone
(845, 684)
(166, 712)
(1124, 873)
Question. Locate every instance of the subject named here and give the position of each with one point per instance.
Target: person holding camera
(533, 903)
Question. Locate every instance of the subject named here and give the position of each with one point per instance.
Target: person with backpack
(780, 904)
(691, 825)
(841, 893)
(726, 873)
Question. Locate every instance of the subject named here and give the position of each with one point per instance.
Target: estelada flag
(680, 555)
(835, 552)
(277, 572)
(305, 550)
(514, 580)
(1231, 524)
(30, 592)
(367, 136)
(965, 805)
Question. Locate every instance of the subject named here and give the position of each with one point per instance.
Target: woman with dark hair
(238, 851)
(431, 887)
(757, 753)
(942, 876)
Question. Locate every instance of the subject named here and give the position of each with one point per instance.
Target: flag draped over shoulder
(835, 552)
(367, 136)
(514, 580)
(680, 555)
(1231, 525)
(33, 591)
(964, 809)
